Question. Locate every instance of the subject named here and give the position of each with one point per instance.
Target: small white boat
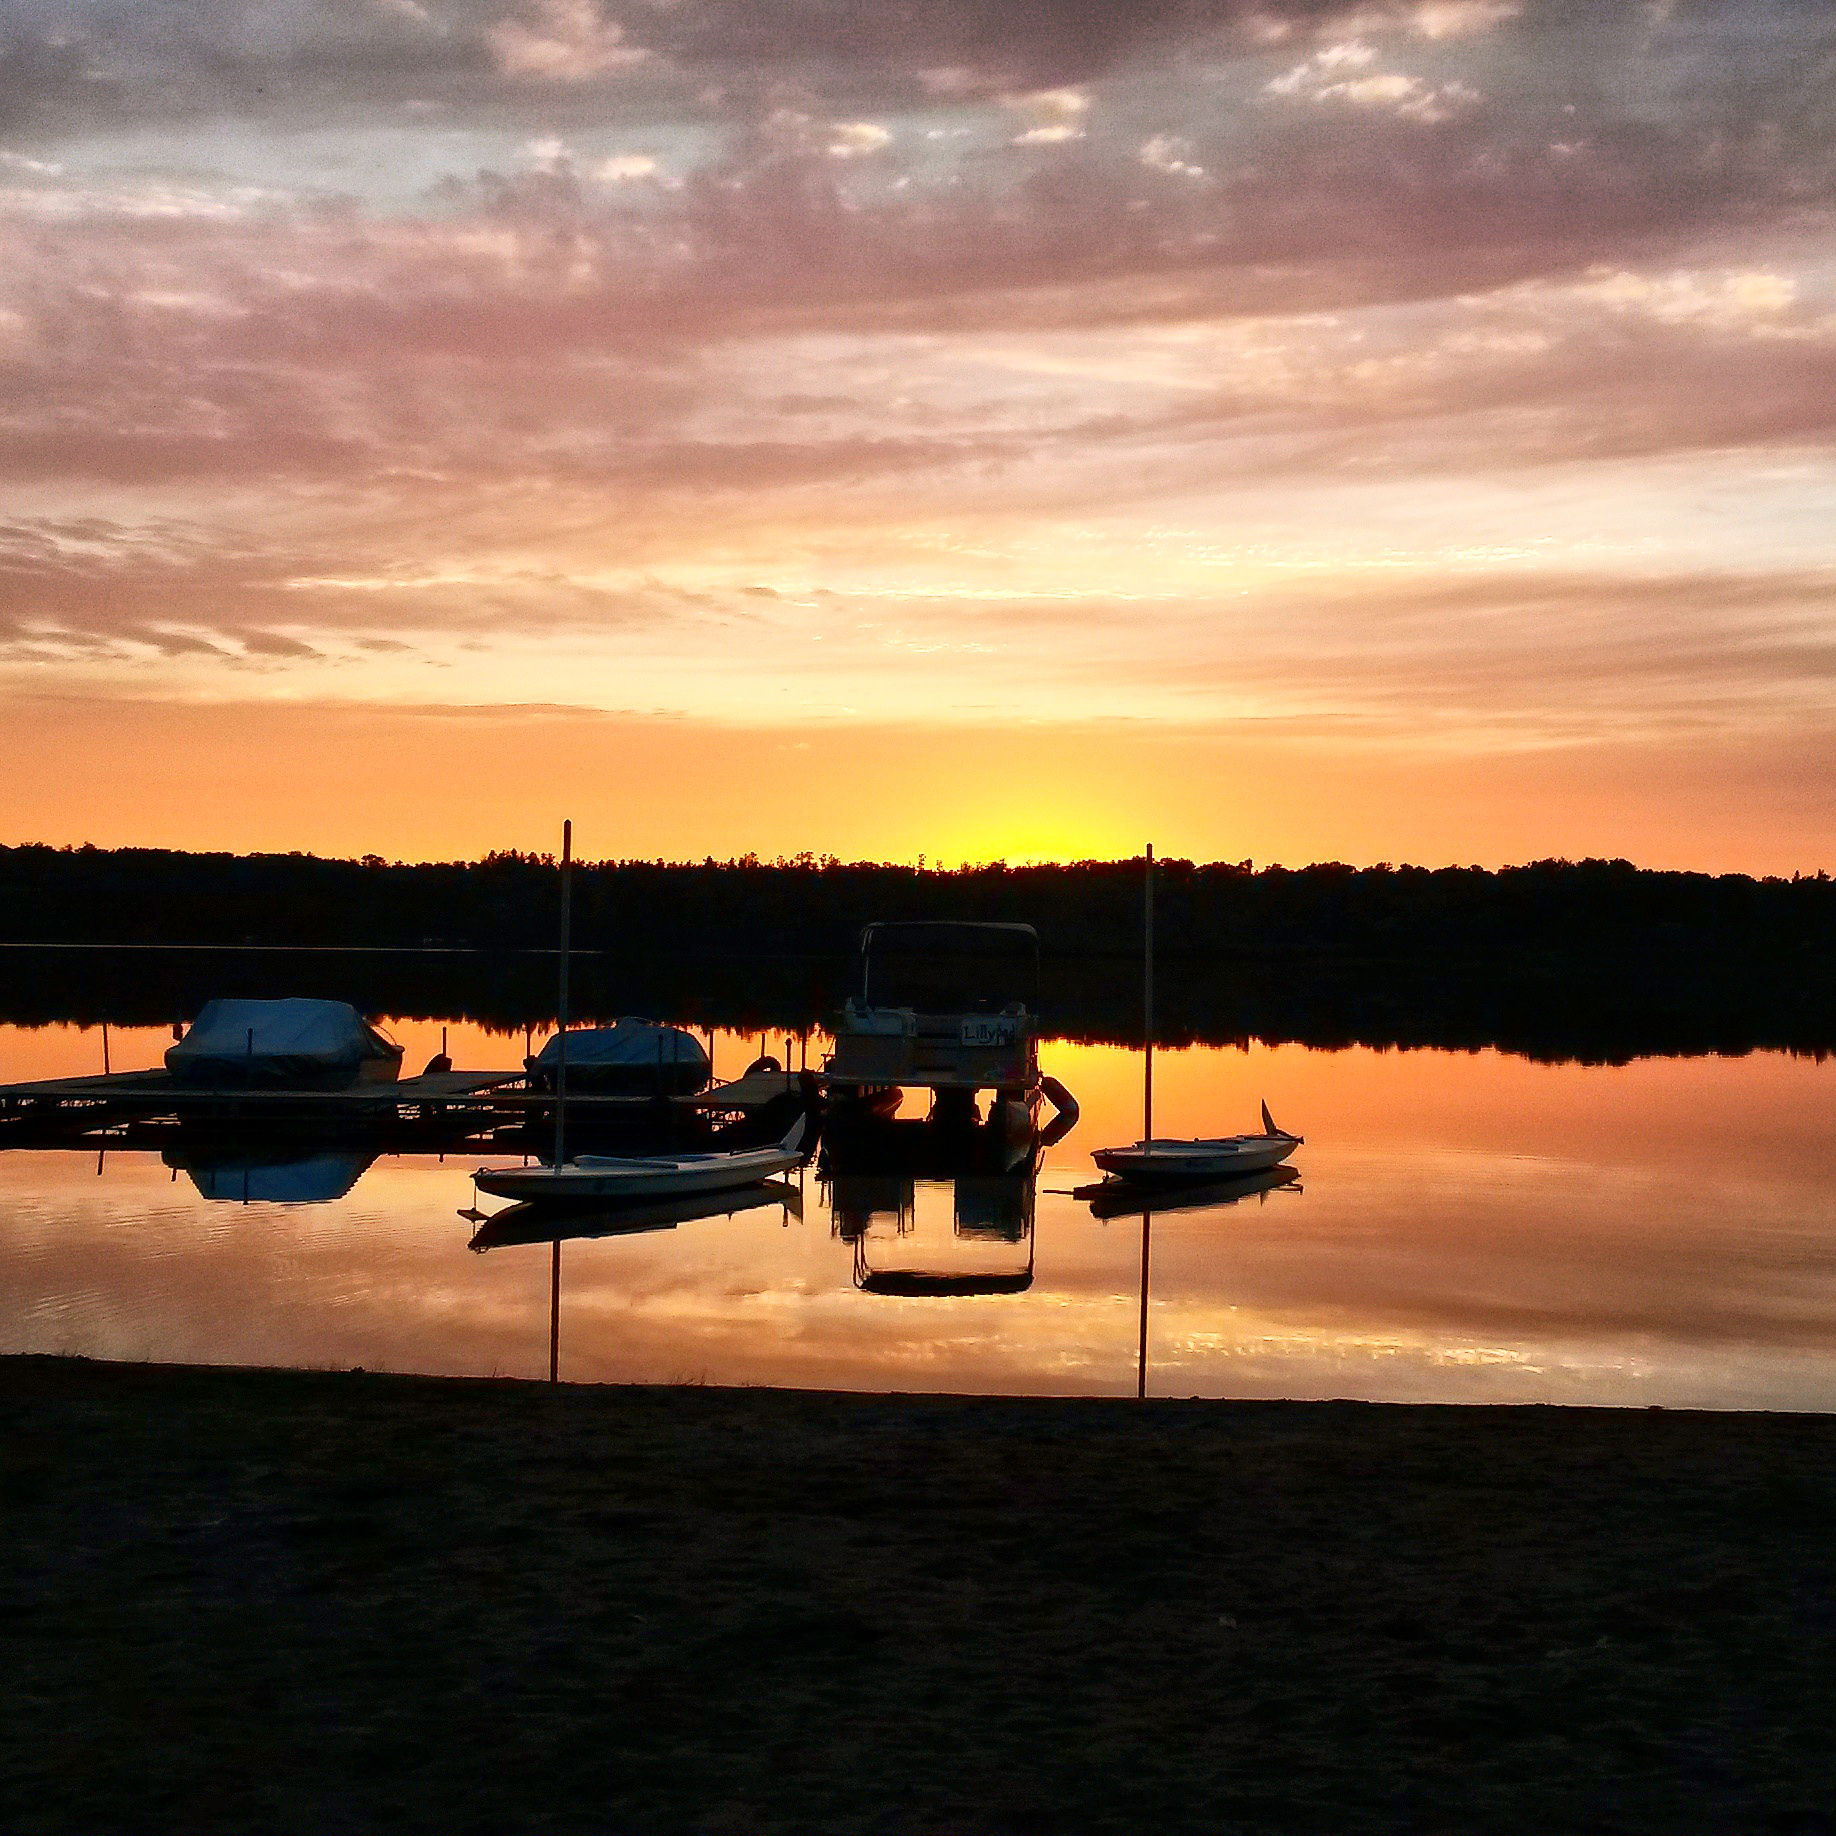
(1220, 1157)
(649, 1176)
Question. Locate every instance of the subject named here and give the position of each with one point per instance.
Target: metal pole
(105, 1064)
(1147, 1002)
(567, 940)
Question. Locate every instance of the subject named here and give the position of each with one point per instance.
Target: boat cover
(640, 1055)
(295, 1041)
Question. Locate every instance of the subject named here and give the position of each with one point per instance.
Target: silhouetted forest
(1568, 908)
(1589, 959)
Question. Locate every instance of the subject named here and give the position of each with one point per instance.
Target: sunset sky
(1373, 429)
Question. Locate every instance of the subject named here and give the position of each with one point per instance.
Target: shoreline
(461, 1380)
(246, 1599)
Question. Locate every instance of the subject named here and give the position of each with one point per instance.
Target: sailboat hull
(592, 1178)
(1150, 1162)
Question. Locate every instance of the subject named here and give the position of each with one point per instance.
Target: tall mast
(1147, 1100)
(567, 941)
(1147, 1000)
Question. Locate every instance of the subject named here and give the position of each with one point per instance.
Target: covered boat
(290, 1044)
(634, 1058)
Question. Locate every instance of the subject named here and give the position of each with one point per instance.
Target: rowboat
(1218, 1157)
(613, 1177)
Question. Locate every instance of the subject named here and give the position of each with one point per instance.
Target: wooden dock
(138, 1089)
(455, 1105)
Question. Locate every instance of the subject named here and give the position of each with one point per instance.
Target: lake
(1465, 1227)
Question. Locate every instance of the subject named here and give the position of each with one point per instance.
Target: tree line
(810, 905)
(1589, 959)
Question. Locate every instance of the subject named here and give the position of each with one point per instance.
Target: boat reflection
(260, 1179)
(1119, 1198)
(551, 1223)
(907, 1241)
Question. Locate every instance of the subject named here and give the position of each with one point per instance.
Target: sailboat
(1210, 1157)
(602, 1178)
(1160, 1159)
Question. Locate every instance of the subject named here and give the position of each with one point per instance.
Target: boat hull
(1166, 1162)
(574, 1183)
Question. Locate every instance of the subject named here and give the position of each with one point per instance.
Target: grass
(246, 1601)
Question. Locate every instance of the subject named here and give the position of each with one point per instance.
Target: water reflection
(527, 1223)
(285, 1179)
(1118, 1198)
(1121, 1198)
(1467, 1227)
(970, 1235)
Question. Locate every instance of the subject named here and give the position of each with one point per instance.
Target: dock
(437, 1108)
(138, 1089)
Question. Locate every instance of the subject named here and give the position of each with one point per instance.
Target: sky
(1279, 429)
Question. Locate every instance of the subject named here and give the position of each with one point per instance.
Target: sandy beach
(259, 1600)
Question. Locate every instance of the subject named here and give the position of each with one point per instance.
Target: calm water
(1466, 1227)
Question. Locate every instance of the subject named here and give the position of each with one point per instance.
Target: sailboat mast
(1147, 1099)
(1147, 1000)
(567, 944)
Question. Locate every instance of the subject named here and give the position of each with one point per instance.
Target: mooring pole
(105, 1064)
(567, 939)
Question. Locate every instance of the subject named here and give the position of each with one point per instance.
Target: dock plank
(158, 1089)
(154, 1086)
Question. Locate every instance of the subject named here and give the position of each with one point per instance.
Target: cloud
(1169, 153)
(90, 61)
(762, 312)
(561, 41)
(1343, 74)
(849, 139)
(1055, 116)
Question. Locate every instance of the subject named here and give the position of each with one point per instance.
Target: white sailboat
(1209, 1157)
(603, 1177)
(1161, 1159)
(613, 1177)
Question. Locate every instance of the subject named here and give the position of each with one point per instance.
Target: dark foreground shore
(248, 1601)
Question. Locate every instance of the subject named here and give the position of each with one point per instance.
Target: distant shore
(1609, 1008)
(242, 1600)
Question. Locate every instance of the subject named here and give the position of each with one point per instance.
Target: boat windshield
(950, 968)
